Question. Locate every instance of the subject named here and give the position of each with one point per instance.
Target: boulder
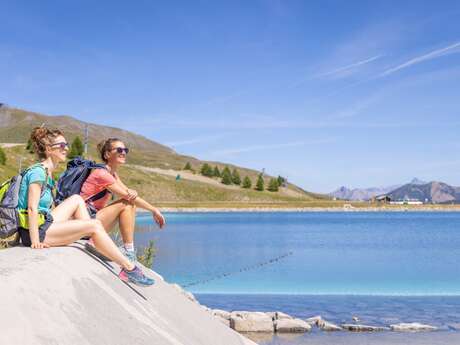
(226, 322)
(412, 327)
(221, 313)
(278, 315)
(362, 328)
(243, 321)
(292, 326)
(314, 320)
(328, 326)
(66, 296)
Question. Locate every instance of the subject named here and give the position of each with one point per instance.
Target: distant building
(381, 199)
(407, 201)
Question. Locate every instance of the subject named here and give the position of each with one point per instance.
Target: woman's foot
(136, 276)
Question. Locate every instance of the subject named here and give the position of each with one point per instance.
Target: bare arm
(33, 199)
(120, 190)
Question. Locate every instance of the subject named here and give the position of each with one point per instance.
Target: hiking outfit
(96, 185)
(35, 174)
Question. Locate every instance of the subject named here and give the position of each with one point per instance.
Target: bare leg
(125, 213)
(66, 232)
(72, 207)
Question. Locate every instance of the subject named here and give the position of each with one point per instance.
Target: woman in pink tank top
(122, 211)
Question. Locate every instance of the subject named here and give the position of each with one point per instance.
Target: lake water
(384, 267)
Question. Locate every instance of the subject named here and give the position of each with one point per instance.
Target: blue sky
(327, 93)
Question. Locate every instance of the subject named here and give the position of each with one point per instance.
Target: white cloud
(341, 70)
(431, 55)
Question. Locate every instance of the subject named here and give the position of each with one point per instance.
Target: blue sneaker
(130, 254)
(136, 276)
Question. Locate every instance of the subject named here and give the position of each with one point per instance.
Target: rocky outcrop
(412, 327)
(66, 296)
(243, 321)
(291, 326)
(363, 328)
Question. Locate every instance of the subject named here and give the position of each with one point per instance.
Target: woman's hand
(132, 194)
(159, 219)
(39, 245)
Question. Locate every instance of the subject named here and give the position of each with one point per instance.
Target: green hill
(152, 167)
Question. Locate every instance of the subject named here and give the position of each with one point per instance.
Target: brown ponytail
(106, 146)
(42, 137)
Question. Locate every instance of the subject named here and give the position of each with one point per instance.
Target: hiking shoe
(136, 276)
(130, 254)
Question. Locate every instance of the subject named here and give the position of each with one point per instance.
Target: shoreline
(301, 209)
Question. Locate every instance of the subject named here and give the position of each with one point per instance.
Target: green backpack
(9, 213)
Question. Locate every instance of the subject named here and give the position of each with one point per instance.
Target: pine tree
(76, 149)
(206, 170)
(30, 146)
(216, 172)
(260, 183)
(226, 176)
(247, 182)
(281, 181)
(2, 157)
(188, 166)
(236, 179)
(273, 185)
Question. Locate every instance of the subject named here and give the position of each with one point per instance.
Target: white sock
(129, 246)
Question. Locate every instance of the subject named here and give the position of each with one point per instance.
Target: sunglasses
(62, 145)
(121, 150)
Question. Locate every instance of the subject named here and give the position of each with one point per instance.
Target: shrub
(148, 254)
(281, 180)
(187, 166)
(2, 156)
(247, 182)
(30, 146)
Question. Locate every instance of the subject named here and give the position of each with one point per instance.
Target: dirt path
(6, 145)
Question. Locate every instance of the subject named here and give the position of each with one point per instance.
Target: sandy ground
(6, 145)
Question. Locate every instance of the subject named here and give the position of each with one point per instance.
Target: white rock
(363, 328)
(292, 326)
(221, 313)
(314, 320)
(412, 327)
(328, 326)
(278, 315)
(243, 321)
(224, 321)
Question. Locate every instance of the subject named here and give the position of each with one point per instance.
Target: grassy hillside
(16, 124)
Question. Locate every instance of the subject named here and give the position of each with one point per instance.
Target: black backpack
(71, 180)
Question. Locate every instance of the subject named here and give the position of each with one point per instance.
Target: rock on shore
(65, 296)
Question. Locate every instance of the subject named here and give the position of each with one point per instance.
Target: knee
(96, 226)
(76, 198)
(128, 205)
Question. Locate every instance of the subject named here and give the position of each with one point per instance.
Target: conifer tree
(30, 146)
(236, 179)
(206, 170)
(260, 183)
(2, 157)
(216, 172)
(281, 180)
(76, 149)
(188, 166)
(226, 176)
(273, 185)
(247, 182)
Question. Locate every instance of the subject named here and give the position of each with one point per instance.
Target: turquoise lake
(383, 267)
(321, 253)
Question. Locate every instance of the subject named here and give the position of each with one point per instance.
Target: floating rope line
(244, 269)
